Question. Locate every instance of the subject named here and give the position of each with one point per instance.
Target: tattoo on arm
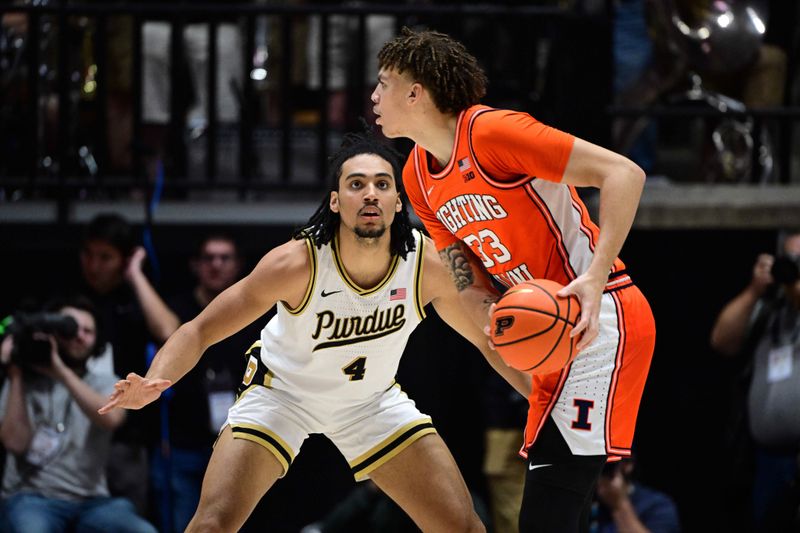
(458, 264)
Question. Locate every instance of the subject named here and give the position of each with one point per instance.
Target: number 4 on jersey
(356, 369)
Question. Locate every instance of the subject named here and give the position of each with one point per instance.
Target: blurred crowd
(130, 93)
(143, 469)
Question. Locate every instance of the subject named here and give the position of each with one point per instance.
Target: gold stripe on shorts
(390, 447)
(267, 439)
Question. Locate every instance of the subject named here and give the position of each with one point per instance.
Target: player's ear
(334, 202)
(414, 92)
(399, 206)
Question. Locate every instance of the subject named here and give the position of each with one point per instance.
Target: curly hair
(322, 225)
(440, 63)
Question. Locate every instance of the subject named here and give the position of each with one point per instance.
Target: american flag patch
(463, 164)
(397, 294)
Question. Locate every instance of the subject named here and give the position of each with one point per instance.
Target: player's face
(79, 348)
(390, 98)
(367, 198)
(102, 266)
(217, 268)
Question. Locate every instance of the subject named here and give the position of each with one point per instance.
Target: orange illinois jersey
(500, 194)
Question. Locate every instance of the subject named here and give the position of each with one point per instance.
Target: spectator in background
(627, 506)
(83, 57)
(762, 323)
(342, 49)
(192, 74)
(684, 51)
(57, 443)
(198, 404)
(156, 38)
(365, 509)
(633, 55)
(504, 469)
(132, 314)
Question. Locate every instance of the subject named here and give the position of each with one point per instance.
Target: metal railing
(59, 100)
(63, 102)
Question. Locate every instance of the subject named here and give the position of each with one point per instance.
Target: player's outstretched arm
(438, 288)
(282, 274)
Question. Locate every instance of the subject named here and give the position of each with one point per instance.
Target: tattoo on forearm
(458, 264)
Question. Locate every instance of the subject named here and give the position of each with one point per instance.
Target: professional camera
(786, 269)
(28, 351)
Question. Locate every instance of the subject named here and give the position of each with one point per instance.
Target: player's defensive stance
(350, 287)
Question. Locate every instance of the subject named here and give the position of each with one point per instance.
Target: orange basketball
(531, 327)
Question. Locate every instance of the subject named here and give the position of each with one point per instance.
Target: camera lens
(31, 351)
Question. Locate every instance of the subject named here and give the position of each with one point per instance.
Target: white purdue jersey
(344, 342)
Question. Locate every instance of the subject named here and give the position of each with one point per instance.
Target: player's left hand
(589, 290)
(134, 392)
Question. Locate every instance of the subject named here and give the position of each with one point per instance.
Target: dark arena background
(80, 136)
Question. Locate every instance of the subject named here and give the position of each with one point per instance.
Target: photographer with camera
(57, 445)
(134, 316)
(762, 324)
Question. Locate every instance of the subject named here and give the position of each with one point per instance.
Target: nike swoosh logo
(430, 190)
(324, 294)
(534, 467)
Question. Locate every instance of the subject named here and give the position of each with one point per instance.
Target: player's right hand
(135, 392)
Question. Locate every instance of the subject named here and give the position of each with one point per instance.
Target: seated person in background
(762, 325)
(57, 444)
(198, 404)
(505, 412)
(628, 506)
(364, 510)
(132, 314)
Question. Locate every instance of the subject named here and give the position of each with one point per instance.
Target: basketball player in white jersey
(349, 289)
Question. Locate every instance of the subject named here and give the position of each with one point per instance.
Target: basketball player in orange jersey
(496, 190)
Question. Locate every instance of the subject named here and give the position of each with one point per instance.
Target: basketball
(531, 327)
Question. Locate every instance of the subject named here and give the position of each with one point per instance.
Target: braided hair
(322, 225)
(441, 64)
